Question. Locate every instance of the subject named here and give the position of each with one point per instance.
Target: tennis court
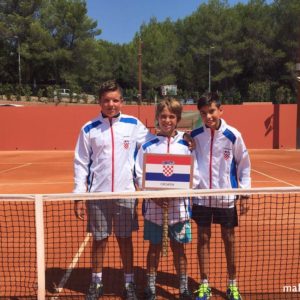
(268, 234)
(52, 171)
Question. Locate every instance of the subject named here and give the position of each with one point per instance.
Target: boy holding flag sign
(156, 171)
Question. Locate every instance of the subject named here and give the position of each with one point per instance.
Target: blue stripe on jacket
(230, 135)
(88, 127)
(197, 131)
(129, 120)
(233, 175)
(151, 142)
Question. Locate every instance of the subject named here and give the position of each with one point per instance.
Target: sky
(120, 20)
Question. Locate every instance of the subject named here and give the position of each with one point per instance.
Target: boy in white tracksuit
(104, 162)
(223, 163)
(168, 114)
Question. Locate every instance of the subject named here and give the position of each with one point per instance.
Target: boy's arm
(244, 205)
(80, 209)
(188, 138)
(81, 170)
(196, 172)
(243, 172)
(139, 167)
(142, 134)
(81, 163)
(242, 159)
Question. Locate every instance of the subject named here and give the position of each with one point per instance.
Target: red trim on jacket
(112, 156)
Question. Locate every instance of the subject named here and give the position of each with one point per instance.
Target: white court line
(14, 168)
(277, 179)
(262, 180)
(293, 169)
(72, 265)
(35, 183)
(36, 163)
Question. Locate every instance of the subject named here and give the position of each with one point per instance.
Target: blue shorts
(180, 232)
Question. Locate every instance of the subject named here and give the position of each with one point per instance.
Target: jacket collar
(221, 127)
(175, 133)
(104, 118)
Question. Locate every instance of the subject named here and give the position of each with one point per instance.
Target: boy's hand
(187, 137)
(79, 209)
(244, 206)
(162, 202)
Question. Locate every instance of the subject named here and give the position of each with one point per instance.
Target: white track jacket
(104, 154)
(223, 162)
(179, 208)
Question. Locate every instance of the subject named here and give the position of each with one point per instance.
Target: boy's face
(111, 103)
(167, 122)
(211, 115)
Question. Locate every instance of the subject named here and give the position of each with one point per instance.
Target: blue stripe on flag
(160, 177)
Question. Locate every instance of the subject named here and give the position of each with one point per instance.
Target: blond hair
(172, 104)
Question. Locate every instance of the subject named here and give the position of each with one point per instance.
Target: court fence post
(298, 103)
(40, 247)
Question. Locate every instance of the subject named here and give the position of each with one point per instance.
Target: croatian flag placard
(167, 171)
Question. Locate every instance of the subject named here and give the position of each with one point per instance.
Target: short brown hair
(172, 104)
(208, 99)
(109, 86)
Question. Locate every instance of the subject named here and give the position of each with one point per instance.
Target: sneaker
(204, 292)
(129, 293)
(95, 291)
(186, 295)
(148, 294)
(233, 293)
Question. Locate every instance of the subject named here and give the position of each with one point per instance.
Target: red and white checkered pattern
(168, 170)
(226, 154)
(126, 144)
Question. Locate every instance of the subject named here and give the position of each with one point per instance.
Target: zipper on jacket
(212, 133)
(91, 183)
(112, 156)
(168, 145)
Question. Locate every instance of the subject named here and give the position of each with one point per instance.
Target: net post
(40, 247)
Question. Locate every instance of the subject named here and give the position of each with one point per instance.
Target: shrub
(283, 95)
(50, 93)
(26, 91)
(84, 98)
(19, 91)
(39, 94)
(259, 91)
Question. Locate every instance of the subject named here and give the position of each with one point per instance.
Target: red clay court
(52, 171)
(267, 238)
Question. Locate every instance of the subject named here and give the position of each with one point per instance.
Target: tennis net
(45, 251)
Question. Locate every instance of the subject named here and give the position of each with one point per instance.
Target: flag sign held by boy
(167, 171)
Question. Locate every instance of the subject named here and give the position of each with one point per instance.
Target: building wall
(263, 125)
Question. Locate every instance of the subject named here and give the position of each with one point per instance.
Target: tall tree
(211, 34)
(16, 19)
(257, 54)
(287, 26)
(160, 44)
(72, 31)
